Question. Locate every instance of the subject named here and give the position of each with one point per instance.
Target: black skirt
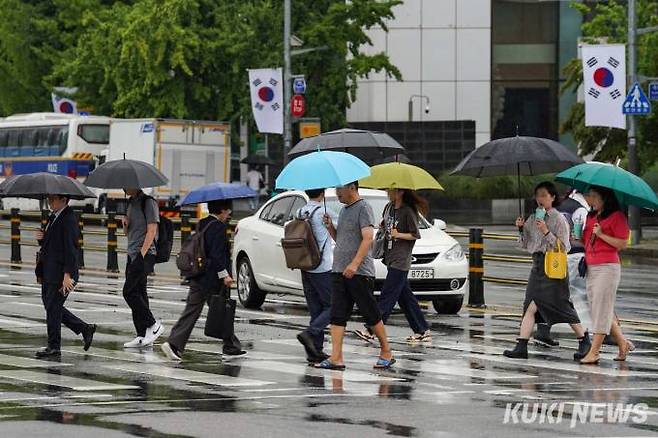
(550, 296)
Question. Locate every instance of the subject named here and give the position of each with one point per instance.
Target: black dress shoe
(307, 341)
(48, 352)
(88, 335)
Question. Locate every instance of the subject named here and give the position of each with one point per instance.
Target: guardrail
(111, 223)
(185, 225)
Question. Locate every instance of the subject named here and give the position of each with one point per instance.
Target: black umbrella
(259, 160)
(517, 156)
(39, 185)
(126, 174)
(364, 144)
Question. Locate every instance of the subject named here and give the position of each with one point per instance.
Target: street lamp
(411, 105)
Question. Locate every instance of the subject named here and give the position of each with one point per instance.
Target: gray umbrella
(126, 174)
(364, 144)
(258, 159)
(517, 156)
(39, 185)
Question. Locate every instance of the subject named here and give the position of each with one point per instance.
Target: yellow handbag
(555, 262)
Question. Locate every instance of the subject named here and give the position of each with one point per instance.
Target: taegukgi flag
(63, 104)
(604, 74)
(267, 99)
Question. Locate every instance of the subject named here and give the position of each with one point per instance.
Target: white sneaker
(135, 343)
(170, 353)
(153, 333)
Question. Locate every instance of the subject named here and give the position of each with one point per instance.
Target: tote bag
(555, 262)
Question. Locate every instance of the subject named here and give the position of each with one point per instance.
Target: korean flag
(604, 82)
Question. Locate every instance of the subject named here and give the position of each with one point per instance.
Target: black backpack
(165, 240)
(191, 260)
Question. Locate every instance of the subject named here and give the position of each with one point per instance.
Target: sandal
(593, 361)
(383, 364)
(622, 356)
(329, 365)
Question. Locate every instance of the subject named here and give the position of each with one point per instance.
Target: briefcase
(221, 316)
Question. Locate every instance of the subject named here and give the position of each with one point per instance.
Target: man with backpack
(210, 275)
(141, 227)
(317, 281)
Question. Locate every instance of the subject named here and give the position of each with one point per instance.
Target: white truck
(190, 153)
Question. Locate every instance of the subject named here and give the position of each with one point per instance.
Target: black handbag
(221, 316)
(582, 267)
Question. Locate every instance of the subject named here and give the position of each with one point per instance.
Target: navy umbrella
(217, 192)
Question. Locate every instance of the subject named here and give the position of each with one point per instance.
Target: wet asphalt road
(460, 385)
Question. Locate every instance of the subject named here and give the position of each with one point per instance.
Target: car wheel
(248, 292)
(448, 305)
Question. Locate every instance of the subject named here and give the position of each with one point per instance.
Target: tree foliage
(182, 58)
(607, 21)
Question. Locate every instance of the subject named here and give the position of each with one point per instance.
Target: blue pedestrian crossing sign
(299, 85)
(636, 102)
(653, 91)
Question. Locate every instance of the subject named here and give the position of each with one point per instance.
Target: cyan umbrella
(217, 192)
(321, 170)
(629, 188)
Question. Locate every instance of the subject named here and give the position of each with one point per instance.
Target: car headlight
(454, 254)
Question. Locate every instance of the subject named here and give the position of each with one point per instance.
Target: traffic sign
(636, 102)
(309, 129)
(653, 91)
(299, 85)
(297, 105)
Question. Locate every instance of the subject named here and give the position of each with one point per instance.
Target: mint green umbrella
(629, 188)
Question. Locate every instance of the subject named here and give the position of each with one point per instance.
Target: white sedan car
(438, 273)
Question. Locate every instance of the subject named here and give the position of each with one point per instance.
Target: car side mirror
(440, 224)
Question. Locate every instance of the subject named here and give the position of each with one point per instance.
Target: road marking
(141, 357)
(300, 370)
(8, 322)
(61, 381)
(347, 348)
(188, 375)
(25, 362)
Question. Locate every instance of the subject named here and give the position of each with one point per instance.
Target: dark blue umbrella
(218, 191)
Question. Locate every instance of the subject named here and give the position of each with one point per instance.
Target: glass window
(4, 134)
(99, 134)
(266, 211)
(280, 210)
(62, 139)
(14, 138)
(296, 205)
(29, 137)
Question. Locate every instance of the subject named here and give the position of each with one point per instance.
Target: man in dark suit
(216, 278)
(57, 271)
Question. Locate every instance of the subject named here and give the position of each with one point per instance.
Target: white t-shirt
(254, 178)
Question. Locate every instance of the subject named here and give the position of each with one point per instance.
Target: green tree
(608, 21)
(188, 58)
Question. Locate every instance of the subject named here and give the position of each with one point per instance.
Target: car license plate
(421, 274)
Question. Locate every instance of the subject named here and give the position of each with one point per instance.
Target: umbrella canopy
(258, 160)
(39, 185)
(400, 176)
(126, 174)
(630, 189)
(364, 144)
(517, 156)
(322, 169)
(218, 191)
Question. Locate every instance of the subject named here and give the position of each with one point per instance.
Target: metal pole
(112, 259)
(634, 212)
(287, 85)
(81, 240)
(475, 268)
(15, 235)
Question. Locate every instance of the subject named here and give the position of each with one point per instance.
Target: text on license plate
(421, 274)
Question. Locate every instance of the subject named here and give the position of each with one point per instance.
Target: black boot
(543, 336)
(520, 351)
(584, 344)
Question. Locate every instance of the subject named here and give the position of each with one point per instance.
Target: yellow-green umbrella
(400, 176)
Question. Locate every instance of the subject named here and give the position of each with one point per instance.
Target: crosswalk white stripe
(347, 348)
(141, 357)
(187, 375)
(62, 381)
(25, 362)
(291, 368)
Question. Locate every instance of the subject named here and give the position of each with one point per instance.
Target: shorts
(347, 291)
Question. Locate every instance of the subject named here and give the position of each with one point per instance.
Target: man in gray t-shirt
(141, 228)
(353, 276)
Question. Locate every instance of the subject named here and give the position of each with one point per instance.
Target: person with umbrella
(57, 259)
(606, 233)
(546, 300)
(57, 271)
(400, 229)
(141, 225)
(353, 268)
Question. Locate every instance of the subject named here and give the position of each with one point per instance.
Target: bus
(65, 144)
